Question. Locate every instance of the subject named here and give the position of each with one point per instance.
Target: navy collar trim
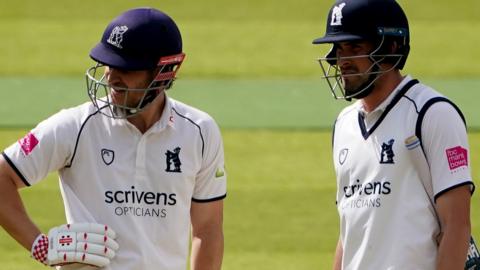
(361, 120)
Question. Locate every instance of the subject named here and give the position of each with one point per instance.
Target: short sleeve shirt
(141, 185)
(386, 218)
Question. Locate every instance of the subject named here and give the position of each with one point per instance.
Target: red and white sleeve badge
(28, 143)
(457, 157)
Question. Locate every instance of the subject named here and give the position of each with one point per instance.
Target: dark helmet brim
(106, 55)
(337, 38)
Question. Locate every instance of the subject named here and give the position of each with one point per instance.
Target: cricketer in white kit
(386, 217)
(140, 173)
(141, 185)
(400, 151)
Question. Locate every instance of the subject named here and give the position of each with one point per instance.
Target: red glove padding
(86, 243)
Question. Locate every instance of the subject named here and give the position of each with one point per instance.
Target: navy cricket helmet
(381, 22)
(138, 39)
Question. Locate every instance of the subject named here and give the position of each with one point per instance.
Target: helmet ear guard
(166, 75)
(169, 66)
(394, 37)
(331, 56)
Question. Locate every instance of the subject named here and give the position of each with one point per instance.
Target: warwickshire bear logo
(387, 152)
(337, 15)
(173, 160)
(116, 36)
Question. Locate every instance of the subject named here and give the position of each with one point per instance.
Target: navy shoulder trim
(366, 133)
(24, 180)
(426, 106)
(78, 137)
(209, 200)
(454, 187)
(195, 124)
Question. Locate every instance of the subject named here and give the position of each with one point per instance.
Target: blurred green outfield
(250, 64)
(229, 39)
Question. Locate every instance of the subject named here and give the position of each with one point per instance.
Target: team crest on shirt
(386, 156)
(173, 160)
(108, 156)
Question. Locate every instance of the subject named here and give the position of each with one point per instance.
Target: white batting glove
(85, 243)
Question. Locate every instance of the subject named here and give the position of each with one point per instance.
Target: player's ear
(389, 46)
(394, 47)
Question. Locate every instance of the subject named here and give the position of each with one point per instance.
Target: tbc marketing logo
(28, 143)
(457, 157)
(140, 203)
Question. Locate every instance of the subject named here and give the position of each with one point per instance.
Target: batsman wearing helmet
(138, 170)
(400, 150)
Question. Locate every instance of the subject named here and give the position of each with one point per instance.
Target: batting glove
(473, 264)
(85, 243)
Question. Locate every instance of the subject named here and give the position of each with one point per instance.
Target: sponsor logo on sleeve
(28, 143)
(219, 173)
(457, 157)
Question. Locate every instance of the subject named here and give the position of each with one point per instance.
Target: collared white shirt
(371, 117)
(141, 185)
(386, 218)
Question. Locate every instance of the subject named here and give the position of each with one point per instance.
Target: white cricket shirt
(386, 218)
(141, 185)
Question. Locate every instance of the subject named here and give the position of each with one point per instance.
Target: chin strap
(365, 89)
(149, 97)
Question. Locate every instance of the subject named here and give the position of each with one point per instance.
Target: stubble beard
(353, 84)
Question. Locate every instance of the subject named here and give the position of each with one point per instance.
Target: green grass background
(251, 65)
(232, 39)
